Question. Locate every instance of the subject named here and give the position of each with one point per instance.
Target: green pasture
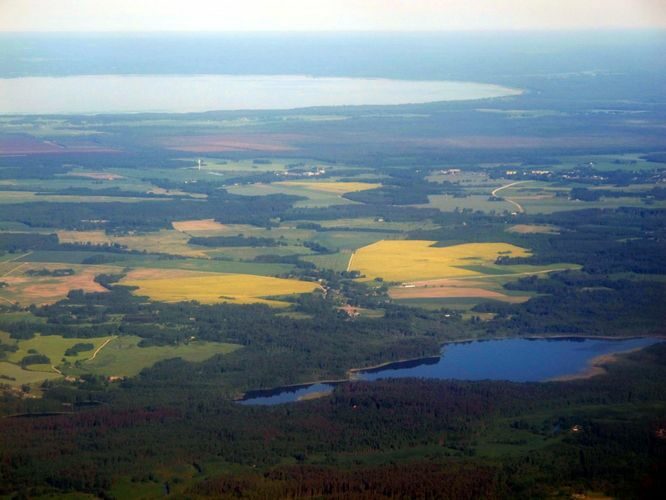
(123, 356)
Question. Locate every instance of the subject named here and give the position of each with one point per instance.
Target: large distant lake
(517, 360)
(186, 93)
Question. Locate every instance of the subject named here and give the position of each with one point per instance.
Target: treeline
(235, 241)
(22, 242)
(50, 272)
(148, 436)
(602, 241)
(110, 191)
(143, 216)
(281, 350)
(585, 194)
(457, 481)
(323, 229)
(387, 212)
(403, 187)
(15, 242)
(576, 303)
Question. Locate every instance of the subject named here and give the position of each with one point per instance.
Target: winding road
(518, 206)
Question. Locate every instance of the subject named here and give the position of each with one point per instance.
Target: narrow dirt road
(349, 264)
(99, 349)
(518, 206)
(17, 267)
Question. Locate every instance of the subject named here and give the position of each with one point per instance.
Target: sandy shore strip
(596, 366)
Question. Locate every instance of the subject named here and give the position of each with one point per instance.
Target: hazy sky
(329, 15)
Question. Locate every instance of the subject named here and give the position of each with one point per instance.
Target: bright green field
(540, 198)
(218, 266)
(350, 240)
(14, 375)
(249, 253)
(54, 347)
(551, 205)
(215, 266)
(314, 198)
(448, 203)
(221, 165)
(123, 357)
(335, 261)
(372, 223)
(72, 180)
(30, 197)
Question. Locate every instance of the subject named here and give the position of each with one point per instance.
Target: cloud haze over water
(327, 15)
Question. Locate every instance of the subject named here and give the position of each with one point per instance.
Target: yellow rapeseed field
(410, 260)
(332, 187)
(210, 289)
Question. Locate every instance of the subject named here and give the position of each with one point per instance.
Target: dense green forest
(586, 435)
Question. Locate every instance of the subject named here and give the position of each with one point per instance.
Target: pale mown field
(84, 237)
(533, 229)
(217, 288)
(198, 226)
(450, 288)
(164, 241)
(331, 187)
(410, 260)
(317, 193)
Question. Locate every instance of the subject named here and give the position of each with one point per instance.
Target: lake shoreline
(118, 94)
(596, 366)
(592, 370)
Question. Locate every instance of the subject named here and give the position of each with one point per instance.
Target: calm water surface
(518, 360)
(187, 93)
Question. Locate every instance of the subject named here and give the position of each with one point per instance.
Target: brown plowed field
(12, 145)
(27, 290)
(450, 288)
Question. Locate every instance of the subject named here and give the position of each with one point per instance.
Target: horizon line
(595, 29)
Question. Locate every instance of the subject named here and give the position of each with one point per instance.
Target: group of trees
(234, 241)
(577, 303)
(330, 439)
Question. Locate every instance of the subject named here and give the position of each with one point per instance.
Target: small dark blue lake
(517, 360)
